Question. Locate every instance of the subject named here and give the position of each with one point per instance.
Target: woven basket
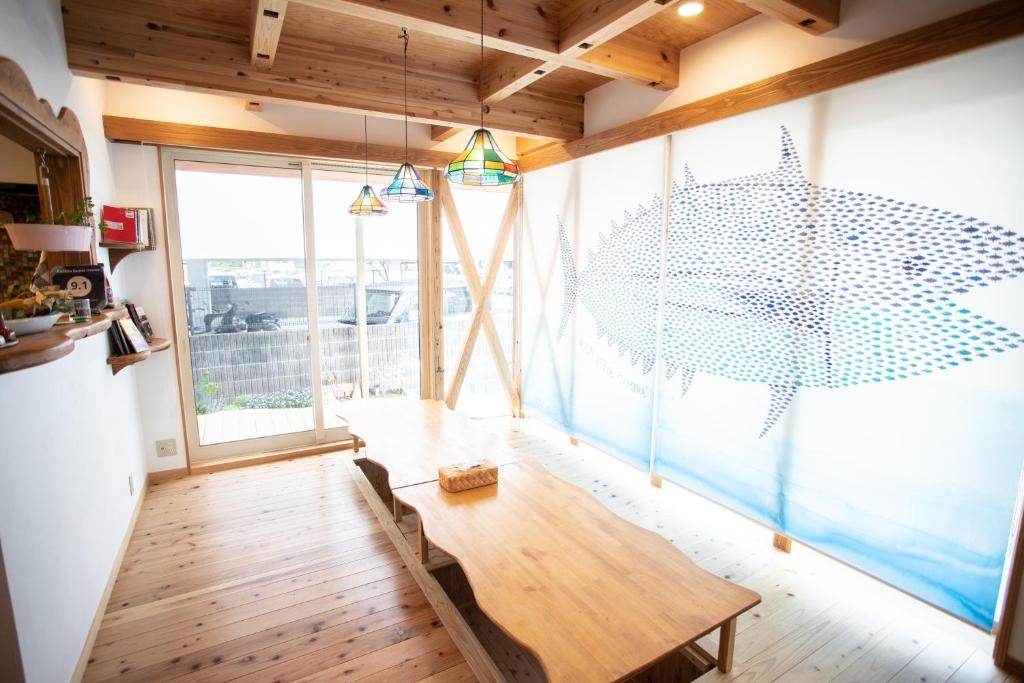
(467, 475)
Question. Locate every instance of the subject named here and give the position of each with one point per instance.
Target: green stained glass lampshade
(407, 186)
(367, 204)
(482, 163)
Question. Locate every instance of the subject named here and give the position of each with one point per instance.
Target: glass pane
(335, 239)
(242, 244)
(480, 211)
(392, 302)
(389, 271)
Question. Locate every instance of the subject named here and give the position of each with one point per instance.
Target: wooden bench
(591, 596)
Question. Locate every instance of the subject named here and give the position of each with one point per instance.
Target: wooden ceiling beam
(265, 30)
(442, 133)
(984, 25)
(155, 44)
(517, 28)
(585, 24)
(121, 129)
(509, 74)
(813, 16)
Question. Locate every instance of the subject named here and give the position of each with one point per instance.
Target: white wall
(222, 111)
(72, 433)
(17, 164)
(145, 282)
(758, 48)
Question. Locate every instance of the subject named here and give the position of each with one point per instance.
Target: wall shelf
(119, 363)
(57, 342)
(118, 250)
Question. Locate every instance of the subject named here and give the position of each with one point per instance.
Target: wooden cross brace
(480, 293)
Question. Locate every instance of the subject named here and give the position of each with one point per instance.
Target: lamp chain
(405, 88)
(481, 78)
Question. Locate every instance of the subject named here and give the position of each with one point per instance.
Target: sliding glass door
(286, 306)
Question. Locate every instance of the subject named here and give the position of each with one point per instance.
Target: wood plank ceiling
(541, 56)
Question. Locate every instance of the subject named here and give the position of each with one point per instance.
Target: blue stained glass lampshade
(367, 204)
(407, 186)
(482, 163)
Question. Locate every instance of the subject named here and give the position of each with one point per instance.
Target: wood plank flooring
(279, 572)
(276, 572)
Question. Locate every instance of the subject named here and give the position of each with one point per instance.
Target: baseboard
(166, 475)
(1013, 665)
(273, 456)
(101, 609)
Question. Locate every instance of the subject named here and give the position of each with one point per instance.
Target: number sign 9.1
(83, 282)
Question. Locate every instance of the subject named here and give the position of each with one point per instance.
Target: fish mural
(775, 280)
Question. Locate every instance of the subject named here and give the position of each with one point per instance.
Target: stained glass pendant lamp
(407, 186)
(367, 204)
(482, 162)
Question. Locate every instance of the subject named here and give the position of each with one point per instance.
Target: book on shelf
(136, 342)
(130, 225)
(138, 316)
(118, 338)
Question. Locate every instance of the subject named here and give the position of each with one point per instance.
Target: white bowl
(40, 323)
(49, 237)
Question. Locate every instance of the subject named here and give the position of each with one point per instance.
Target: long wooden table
(593, 597)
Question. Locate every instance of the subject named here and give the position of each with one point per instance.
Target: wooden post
(726, 645)
(783, 543)
(656, 480)
(422, 537)
(398, 508)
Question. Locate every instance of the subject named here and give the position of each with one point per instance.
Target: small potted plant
(70, 231)
(38, 312)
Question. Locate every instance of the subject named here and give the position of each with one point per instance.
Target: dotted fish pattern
(773, 279)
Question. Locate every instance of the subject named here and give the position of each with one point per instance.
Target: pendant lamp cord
(480, 84)
(366, 151)
(405, 88)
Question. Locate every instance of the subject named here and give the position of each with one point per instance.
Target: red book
(121, 224)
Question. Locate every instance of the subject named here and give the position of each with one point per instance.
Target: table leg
(399, 509)
(424, 550)
(726, 644)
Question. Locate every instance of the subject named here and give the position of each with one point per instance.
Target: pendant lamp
(407, 185)
(367, 204)
(482, 163)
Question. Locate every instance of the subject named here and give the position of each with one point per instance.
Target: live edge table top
(593, 596)
(411, 439)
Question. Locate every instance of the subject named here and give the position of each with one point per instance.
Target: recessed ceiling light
(690, 9)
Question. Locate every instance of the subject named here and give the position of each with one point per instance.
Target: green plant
(206, 395)
(23, 303)
(82, 214)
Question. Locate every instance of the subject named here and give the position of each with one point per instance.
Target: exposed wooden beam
(646, 62)
(585, 24)
(157, 44)
(987, 24)
(515, 27)
(813, 16)
(510, 74)
(121, 129)
(442, 133)
(265, 30)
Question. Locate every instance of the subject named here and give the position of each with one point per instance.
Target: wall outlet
(131, 485)
(166, 447)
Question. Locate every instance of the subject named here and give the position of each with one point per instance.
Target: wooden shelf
(119, 363)
(57, 342)
(118, 250)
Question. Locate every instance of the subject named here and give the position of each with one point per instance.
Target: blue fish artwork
(770, 278)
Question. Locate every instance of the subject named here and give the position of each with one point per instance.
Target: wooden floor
(276, 572)
(280, 572)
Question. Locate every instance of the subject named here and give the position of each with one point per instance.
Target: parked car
(222, 281)
(399, 302)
